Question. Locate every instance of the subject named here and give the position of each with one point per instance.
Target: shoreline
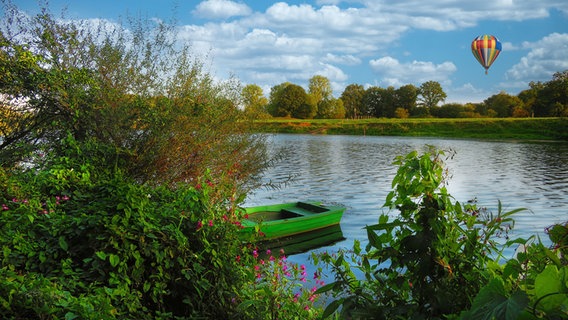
(522, 129)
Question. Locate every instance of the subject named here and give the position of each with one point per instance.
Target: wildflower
(268, 252)
(199, 225)
(5, 207)
(316, 275)
(210, 223)
(238, 258)
(255, 253)
(307, 308)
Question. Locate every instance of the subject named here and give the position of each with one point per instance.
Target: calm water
(356, 172)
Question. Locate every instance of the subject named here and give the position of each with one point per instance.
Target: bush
(429, 261)
(77, 242)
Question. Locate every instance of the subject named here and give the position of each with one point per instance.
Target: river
(356, 172)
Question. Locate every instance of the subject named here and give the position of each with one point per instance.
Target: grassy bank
(479, 128)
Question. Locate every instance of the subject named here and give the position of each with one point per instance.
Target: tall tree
(552, 99)
(352, 98)
(319, 88)
(293, 102)
(430, 94)
(274, 97)
(254, 101)
(406, 97)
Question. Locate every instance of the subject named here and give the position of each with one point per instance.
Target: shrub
(427, 261)
(77, 242)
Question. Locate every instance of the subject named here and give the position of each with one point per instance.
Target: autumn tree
(430, 94)
(128, 93)
(352, 98)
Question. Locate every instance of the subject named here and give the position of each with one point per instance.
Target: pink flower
(210, 223)
(5, 207)
(199, 225)
(268, 252)
(255, 253)
(307, 308)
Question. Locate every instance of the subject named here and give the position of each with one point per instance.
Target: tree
(430, 94)
(331, 109)
(293, 102)
(275, 93)
(129, 94)
(503, 104)
(552, 99)
(254, 101)
(406, 97)
(380, 101)
(319, 88)
(352, 98)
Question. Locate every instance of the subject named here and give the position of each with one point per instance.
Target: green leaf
(492, 303)
(374, 239)
(326, 288)
(114, 260)
(330, 309)
(63, 244)
(550, 288)
(101, 255)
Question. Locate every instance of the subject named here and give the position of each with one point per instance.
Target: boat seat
(298, 211)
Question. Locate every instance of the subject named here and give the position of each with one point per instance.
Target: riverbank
(478, 128)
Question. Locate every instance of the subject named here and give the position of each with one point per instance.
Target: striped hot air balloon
(486, 49)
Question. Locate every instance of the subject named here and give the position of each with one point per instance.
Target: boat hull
(288, 219)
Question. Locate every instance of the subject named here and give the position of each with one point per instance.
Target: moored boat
(288, 219)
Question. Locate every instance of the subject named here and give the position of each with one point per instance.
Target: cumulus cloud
(292, 42)
(396, 73)
(221, 9)
(545, 57)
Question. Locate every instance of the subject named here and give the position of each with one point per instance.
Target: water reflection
(356, 172)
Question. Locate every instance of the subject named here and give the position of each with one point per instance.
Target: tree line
(542, 99)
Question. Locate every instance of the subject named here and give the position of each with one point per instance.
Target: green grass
(478, 128)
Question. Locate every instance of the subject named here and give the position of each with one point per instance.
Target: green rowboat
(288, 219)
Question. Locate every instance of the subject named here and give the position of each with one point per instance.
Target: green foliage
(130, 89)
(278, 290)
(430, 94)
(533, 285)
(426, 262)
(77, 242)
(352, 100)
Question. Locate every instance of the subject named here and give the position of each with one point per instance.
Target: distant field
(481, 128)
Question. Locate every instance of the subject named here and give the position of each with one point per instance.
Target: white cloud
(347, 59)
(395, 73)
(221, 9)
(545, 57)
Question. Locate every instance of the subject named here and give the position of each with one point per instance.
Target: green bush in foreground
(437, 259)
(77, 243)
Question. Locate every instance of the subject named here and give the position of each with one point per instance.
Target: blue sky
(368, 42)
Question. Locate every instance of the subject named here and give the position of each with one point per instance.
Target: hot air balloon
(485, 49)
